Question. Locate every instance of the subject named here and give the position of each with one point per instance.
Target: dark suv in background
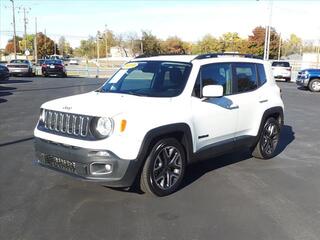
(53, 67)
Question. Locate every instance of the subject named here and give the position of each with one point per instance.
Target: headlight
(103, 127)
(42, 115)
(305, 75)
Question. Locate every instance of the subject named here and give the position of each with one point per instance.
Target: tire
(314, 85)
(164, 168)
(268, 140)
(288, 79)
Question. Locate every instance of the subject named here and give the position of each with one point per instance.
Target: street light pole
(269, 30)
(14, 30)
(106, 39)
(35, 42)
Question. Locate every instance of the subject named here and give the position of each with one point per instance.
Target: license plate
(51, 66)
(17, 70)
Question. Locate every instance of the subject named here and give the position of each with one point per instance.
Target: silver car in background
(20, 67)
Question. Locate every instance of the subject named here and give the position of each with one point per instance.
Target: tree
(87, 48)
(151, 44)
(10, 46)
(27, 43)
(173, 45)
(64, 47)
(256, 42)
(208, 44)
(232, 42)
(45, 45)
(292, 46)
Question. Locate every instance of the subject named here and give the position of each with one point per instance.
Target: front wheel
(164, 168)
(268, 140)
(314, 85)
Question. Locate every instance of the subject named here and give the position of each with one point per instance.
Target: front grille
(66, 123)
(59, 163)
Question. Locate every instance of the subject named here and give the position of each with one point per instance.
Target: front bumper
(80, 162)
(302, 82)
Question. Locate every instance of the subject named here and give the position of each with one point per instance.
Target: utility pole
(279, 51)
(98, 53)
(106, 39)
(14, 30)
(98, 46)
(35, 42)
(269, 30)
(141, 46)
(25, 21)
(45, 42)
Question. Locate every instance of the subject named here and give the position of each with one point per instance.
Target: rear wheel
(268, 141)
(288, 79)
(164, 168)
(314, 85)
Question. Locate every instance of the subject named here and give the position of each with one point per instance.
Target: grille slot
(66, 123)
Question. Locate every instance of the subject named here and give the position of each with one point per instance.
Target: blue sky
(188, 19)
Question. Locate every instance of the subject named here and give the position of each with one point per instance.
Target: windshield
(151, 78)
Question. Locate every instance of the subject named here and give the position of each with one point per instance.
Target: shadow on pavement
(7, 88)
(17, 141)
(2, 94)
(15, 81)
(197, 170)
(3, 100)
(286, 137)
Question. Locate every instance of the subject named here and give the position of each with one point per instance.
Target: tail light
(44, 65)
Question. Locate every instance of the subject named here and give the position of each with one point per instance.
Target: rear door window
(245, 77)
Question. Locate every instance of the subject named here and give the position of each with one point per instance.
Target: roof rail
(215, 55)
(159, 54)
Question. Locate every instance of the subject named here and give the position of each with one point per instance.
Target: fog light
(108, 167)
(100, 168)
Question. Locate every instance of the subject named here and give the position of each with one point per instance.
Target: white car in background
(73, 62)
(281, 70)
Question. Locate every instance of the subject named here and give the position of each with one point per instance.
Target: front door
(214, 119)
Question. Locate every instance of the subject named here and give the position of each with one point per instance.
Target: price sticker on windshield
(130, 65)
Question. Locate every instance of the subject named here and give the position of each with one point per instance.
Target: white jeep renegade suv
(156, 115)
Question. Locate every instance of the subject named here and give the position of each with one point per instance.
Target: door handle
(263, 100)
(233, 106)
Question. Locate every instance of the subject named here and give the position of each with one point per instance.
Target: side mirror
(211, 91)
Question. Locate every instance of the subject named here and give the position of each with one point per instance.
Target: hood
(310, 70)
(104, 104)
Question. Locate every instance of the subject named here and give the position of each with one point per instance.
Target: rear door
(247, 97)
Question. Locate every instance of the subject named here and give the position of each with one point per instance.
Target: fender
(269, 113)
(167, 130)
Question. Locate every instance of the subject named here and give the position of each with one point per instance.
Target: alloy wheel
(167, 168)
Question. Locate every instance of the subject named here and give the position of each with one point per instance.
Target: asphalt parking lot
(230, 197)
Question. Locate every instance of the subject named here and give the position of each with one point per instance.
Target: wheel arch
(179, 131)
(275, 112)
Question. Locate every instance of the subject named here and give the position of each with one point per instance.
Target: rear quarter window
(261, 74)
